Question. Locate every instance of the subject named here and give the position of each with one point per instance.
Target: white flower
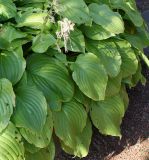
(66, 26)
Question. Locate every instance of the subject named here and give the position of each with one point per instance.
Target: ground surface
(134, 144)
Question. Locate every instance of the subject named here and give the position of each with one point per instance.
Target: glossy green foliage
(64, 67)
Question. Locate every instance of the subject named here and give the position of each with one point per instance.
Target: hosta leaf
(39, 5)
(90, 76)
(69, 122)
(11, 147)
(42, 42)
(76, 42)
(81, 98)
(108, 53)
(104, 16)
(83, 141)
(130, 9)
(107, 115)
(12, 65)
(10, 33)
(124, 96)
(19, 42)
(40, 139)
(31, 109)
(3, 43)
(139, 40)
(51, 77)
(114, 85)
(32, 20)
(76, 11)
(7, 10)
(129, 59)
(7, 102)
(30, 147)
(30, 1)
(43, 154)
(96, 32)
(138, 76)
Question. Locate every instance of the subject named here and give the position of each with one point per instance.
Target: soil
(134, 144)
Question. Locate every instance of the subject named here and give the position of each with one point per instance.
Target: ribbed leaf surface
(51, 77)
(12, 65)
(31, 109)
(107, 115)
(90, 76)
(11, 146)
(41, 139)
(69, 122)
(7, 103)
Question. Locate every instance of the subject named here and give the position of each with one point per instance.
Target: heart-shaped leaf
(90, 76)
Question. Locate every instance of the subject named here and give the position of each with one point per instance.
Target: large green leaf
(129, 59)
(7, 10)
(31, 109)
(40, 139)
(114, 85)
(10, 33)
(42, 42)
(11, 146)
(32, 20)
(81, 98)
(76, 11)
(7, 102)
(43, 154)
(51, 77)
(12, 65)
(107, 115)
(96, 32)
(83, 141)
(90, 76)
(130, 9)
(108, 53)
(104, 16)
(69, 122)
(76, 42)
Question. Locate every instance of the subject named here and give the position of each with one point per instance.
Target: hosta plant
(64, 67)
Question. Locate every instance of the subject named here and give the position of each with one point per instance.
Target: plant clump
(65, 66)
